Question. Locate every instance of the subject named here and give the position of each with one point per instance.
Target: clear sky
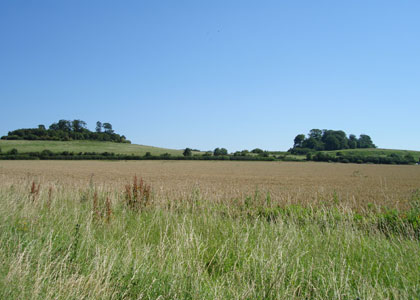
(205, 74)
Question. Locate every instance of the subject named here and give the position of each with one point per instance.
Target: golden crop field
(208, 230)
(286, 182)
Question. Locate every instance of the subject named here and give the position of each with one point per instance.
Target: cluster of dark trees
(360, 159)
(220, 152)
(224, 152)
(318, 140)
(217, 152)
(256, 151)
(65, 130)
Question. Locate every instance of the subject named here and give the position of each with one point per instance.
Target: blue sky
(206, 74)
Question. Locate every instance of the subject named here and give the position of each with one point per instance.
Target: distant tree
(313, 143)
(315, 134)
(257, 150)
(14, 151)
(409, 158)
(264, 154)
(332, 143)
(98, 127)
(64, 125)
(165, 155)
(242, 153)
(78, 125)
(339, 135)
(187, 152)
(148, 154)
(299, 140)
(342, 139)
(107, 128)
(352, 141)
(124, 139)
(53, 126)
(220, 151)
(47, 152)
(365, 141)
(41, 127)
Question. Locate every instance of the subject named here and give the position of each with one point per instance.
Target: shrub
(47, 152)
(300, 151)
(187, 152)
(14, 151)
(405, 223)
(409, 158)
(165, 155)
(137, 195)
(220, 152)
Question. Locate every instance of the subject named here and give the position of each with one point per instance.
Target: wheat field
(287, 182)
(208, 230)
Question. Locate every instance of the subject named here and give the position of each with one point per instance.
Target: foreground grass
(64, 244)
(83, 146)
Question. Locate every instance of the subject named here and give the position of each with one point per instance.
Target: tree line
(391, 159)
(188, 152)
(341, 157)
(14, 154)
(319, 140)
(66, 130)
(224, 152)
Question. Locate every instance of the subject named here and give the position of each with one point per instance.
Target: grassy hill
(83, 146)
(375, 152)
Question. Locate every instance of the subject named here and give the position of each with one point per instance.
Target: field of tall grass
(208, 230)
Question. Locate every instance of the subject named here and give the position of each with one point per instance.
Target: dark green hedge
(48, 155)
(343, 158)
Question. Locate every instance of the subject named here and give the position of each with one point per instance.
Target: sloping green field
(83, 146)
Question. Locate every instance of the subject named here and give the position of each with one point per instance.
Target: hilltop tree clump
(318, 140)
(65, 130)
(187, 152)
(257, 151)
(220, 152)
